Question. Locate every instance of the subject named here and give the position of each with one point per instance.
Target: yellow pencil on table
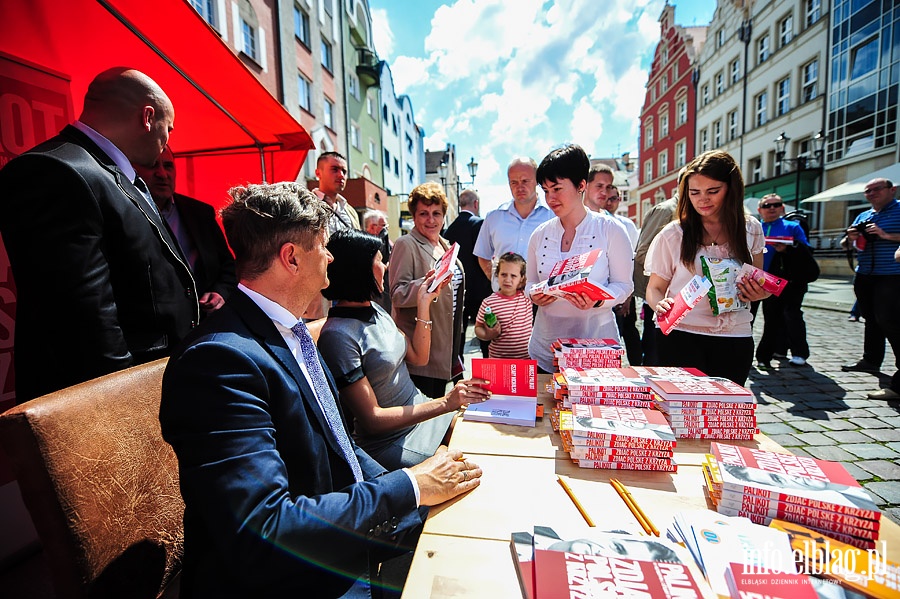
(574, 499)
(636, 510)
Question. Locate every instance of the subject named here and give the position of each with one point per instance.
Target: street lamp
(473, 169)
(801, 162)
(442, 173)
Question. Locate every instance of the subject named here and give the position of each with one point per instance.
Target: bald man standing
(101, 284)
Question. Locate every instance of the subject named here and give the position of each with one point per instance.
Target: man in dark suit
(193, 223)
(101, 284)
(464, 231)
(279, 502)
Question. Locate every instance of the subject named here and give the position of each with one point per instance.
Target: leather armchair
(101, 485)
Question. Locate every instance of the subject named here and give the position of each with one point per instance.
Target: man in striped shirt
(876, 235)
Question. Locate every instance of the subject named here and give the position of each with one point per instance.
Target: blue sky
(501, 78)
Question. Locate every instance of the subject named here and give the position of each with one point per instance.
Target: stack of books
(591, 563)
(611, 386)
(586, 353)
(617, 438)
(705, 407)
(820, 495)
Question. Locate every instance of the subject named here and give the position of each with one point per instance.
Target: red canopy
(228, 128)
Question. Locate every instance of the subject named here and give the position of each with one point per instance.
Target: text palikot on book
(573, 275)
(513, 387)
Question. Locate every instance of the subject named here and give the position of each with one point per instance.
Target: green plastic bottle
(490, 319)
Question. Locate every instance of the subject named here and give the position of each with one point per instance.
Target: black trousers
(727, 357)
(627, 326)
(784, 327)
(877, 297)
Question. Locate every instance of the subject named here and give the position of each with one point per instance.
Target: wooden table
(464, 549)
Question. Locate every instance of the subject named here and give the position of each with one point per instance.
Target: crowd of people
(306, 464)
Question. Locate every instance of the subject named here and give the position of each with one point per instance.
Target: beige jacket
(412, 257)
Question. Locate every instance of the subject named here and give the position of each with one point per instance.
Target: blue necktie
(326, 399)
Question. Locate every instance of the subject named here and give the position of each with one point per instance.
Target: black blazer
(464, 231)
(271, 507)
(100, 283)
(214, 270)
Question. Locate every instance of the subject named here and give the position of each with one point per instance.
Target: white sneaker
(797, 361)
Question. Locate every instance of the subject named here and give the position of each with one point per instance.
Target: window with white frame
(813, 11)
(704, 140)
(864, 58)
(720, 38)
(680, 154)
(755, 169)
(664, 82)
(648, 135)
(373, 152)
(785, 31)
(248, 40)
(328, 113)
(717, 134)
(304, 96)
(327, 59)
(674, 79)
(762, 49)
(681, 107)
(735, 70)
(301, 25)
(648, 171)
(783, 88)
(370, 107)
(663, 125)
(663, 162)
(761, 103)
(665, 55)
(207, 10)
(810, 80)
(720, 83)
(355, 136)
(732, 125)
(704, 94)
(353, 85)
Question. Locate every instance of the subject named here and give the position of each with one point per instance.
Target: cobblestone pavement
(820, 411)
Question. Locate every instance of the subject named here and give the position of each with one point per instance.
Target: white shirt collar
(278, 313)
(110, 148)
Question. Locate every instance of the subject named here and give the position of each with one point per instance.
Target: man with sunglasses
(876, 235)
(783, 326)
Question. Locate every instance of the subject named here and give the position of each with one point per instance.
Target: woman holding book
(413, 256)
(710, 223)
(367, 354)
(562, 175)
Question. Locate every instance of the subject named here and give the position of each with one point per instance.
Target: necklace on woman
(715, 241)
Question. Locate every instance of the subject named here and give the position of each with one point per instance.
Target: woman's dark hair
(350, 274)
(568, 162)
(719, 166)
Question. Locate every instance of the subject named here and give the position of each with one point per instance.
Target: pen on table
(574, 499)
(629, 500)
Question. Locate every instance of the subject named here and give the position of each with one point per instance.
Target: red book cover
(731, 409)
(715, 434)
(713, 421)
(762, 518)
(685, 300)
(608, 401)
(794, 512)
(513, 386)
(605, 453)
(571, 275)
(700, 388)
(656, 466)
(443, 268)
(783, 463)
(612, 422)
(573, 346)
(522, 547)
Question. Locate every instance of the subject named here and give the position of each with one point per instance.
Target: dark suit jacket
(464, 231)
(271, 506)
(101, 284)
(214, 270)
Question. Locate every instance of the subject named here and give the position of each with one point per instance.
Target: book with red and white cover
(521, 544)
(513, 386)
(613, 422)
(712, 434)
(766, 280)
(793, 512)
(792, 479)
(573, 275)
(783, 239)
(655, 465)
(588, 345)
(581, 452)
(712, 409)
(865, 537)
(685, 300)
(443, 268)
(700, 388)
(868, 572)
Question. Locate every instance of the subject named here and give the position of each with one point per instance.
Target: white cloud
(409, 72)
(586, 128)
(382, 36)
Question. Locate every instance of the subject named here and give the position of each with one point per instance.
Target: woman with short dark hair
(367, 354)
